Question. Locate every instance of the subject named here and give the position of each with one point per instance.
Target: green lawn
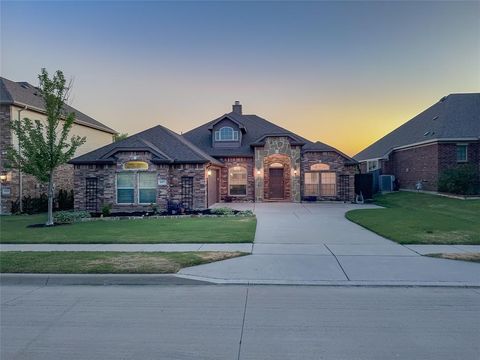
(414, 218)
(76, 262)
(180, 230)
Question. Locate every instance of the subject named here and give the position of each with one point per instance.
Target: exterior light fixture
(3, 178)
(209, 172)
(258, 172)
(295, 172)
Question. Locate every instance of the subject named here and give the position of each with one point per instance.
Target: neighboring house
(235, 157)
(19, 100)
(443, 136)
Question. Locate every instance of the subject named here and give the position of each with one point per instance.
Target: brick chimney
(237, 108)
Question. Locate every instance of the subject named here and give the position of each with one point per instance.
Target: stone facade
(336, 164)
(229, 163)
(266, 155)
(169, 183)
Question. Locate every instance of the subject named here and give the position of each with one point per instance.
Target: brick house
(20, 100)
(441, 137)
(235, 157)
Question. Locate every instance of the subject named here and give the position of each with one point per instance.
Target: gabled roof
(226, 116)
(454, 117)
(165, 145)
(256, 130)
(25, 94)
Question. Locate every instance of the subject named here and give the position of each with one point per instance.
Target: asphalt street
(239, 322)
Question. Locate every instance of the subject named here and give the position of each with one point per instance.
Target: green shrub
(462, 180)
(245, 213)
(106, 209)
(35, 205)
(69, 217)
(222, 211)
(65, 200)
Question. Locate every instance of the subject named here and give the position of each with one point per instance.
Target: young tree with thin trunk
(44, 147)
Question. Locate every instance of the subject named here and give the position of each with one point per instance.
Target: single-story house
(19, 100)
(235, 157)
(441, 137)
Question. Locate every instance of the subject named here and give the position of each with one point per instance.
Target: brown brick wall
(237, 161)
(426, 163)
(106, 175)
(5, 142)
(336, 163)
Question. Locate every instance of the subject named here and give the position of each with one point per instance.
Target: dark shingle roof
(22, 93)
(165, 145)
(257, 129)
(456, 116)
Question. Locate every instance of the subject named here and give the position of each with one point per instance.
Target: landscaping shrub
(222, 211)
(65, 200)
(35, 205)
(245, 213)
(462, 180)
(69, 217)
(106, 210)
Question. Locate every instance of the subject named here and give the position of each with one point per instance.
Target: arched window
(226, 133)
(237, 181)
(320, 167)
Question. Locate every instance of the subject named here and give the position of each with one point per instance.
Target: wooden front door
(276, 183)
(213, 187)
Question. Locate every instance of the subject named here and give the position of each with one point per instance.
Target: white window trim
(138, 187)
(117, 188)
(375, 161)
(218, 137)
(246, 182)
(466, 153)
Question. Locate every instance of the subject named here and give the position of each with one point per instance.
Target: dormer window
(226, 133)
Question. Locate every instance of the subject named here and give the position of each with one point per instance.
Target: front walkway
(315, 243)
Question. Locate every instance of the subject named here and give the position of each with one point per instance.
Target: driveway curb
(96, 279)
(172, 279)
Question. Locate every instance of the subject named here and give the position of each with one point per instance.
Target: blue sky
(341, 72)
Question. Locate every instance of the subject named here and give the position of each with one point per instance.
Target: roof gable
(167, 146)
(456, 116)
(25, 94)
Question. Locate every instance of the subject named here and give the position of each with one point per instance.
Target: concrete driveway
(315, 243)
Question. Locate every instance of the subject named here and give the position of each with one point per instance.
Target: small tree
(44, 147)
(120, 136)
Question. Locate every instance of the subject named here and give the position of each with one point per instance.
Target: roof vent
(23, 85)
(435, 118)
(428, 132)
(443, 99)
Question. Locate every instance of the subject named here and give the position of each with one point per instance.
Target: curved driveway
(316, 244)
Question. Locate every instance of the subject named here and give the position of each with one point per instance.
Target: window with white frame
(328, 185)
(462, 152)
(226, 133)
(372, 165)
(237, 181)
(147, 187)
(126, 188)
(312, 183)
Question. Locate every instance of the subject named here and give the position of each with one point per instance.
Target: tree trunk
(50, 200)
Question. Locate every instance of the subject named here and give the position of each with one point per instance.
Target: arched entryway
(277, 181)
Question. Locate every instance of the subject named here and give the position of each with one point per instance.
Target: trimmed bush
(462, 180)
(69, 217)
(65, 200)
(222, 211)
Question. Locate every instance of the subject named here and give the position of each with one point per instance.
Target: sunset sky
(344, 73)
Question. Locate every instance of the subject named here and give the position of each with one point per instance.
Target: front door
(276, 183)
(213, 187)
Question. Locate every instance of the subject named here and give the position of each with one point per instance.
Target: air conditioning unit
(387, 183)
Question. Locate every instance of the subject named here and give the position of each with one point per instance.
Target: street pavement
(239, 322)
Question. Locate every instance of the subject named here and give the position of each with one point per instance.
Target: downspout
(20, 175)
